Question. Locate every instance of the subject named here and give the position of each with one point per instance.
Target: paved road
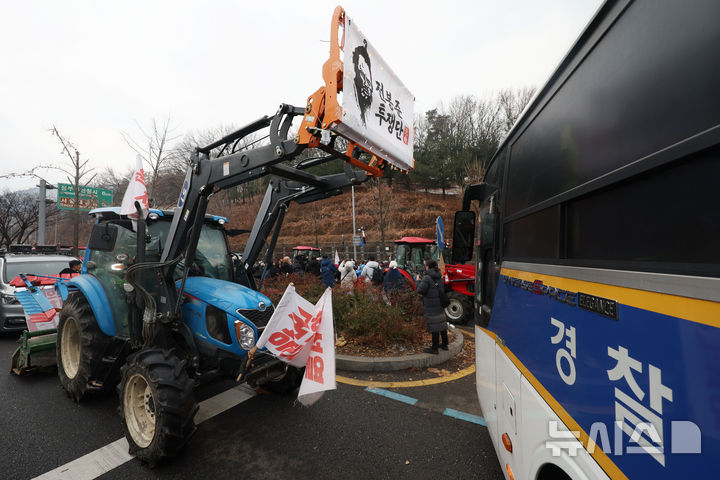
(349, 433)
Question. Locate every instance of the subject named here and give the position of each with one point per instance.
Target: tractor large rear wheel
(459, 310)
(80, 346)
(157, 404)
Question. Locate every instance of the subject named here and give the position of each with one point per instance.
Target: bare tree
(27, 173)
(76, 175)
(513, 102)
(180, 158)
(381, 196)
(154, 149)
(115, 181)
(19, 217)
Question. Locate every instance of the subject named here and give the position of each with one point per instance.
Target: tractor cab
(411, 253)
(212, 259)
(302, 254)
(307, 252)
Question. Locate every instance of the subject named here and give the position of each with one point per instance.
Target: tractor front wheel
(286, 383)
(157, 404)
(79, 348)
(459, 310)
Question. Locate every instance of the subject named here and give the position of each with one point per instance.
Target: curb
(390, 364)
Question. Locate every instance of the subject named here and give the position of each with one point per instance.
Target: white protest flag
(291, 329)
(320, 367)
(301, 334)
(136, 191)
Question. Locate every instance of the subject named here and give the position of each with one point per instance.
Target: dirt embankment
(404, 213)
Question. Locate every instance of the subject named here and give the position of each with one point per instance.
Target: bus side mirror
(102, 237)
(463, 236)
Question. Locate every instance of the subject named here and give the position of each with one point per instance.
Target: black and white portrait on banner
(363, 80)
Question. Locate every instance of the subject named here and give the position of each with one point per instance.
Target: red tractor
(309, 252)
(411, 253)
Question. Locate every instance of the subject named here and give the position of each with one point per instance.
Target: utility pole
(41, 211)
(352, 188)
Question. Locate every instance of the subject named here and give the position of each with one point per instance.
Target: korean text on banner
(136, 191)
(301, 334)
(378, 109)
(320, 368)
(291, 329)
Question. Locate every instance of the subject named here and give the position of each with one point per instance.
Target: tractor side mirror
(463, 236)
(102, 237)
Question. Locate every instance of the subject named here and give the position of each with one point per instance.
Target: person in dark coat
(393, 281)
(273, 270)
(75, 266)
(313, 267)
(433, 312)
(327, 271)
(286, 266)
(298, 265)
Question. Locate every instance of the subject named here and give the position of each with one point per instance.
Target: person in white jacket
(347, 274)
(367, 272)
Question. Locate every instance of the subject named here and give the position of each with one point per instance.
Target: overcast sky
(96, 69)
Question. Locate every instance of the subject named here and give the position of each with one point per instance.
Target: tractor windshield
(212, 255)
(411, 257)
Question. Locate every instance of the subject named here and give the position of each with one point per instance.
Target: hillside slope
(406, 213)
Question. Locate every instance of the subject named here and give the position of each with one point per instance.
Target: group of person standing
(299, 265)
(346, 274)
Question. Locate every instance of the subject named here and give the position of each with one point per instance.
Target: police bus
(597, 249)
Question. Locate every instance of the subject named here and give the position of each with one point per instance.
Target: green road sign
(90, 197)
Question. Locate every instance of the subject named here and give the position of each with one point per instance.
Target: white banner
(377, 109)
(320, 367)
(301, 334)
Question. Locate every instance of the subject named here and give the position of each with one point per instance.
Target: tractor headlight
(245, 335)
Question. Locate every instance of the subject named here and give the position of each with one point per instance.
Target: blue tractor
(162, 306)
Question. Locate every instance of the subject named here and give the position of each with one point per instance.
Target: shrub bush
(362, 314)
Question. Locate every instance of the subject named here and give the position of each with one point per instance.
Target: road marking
(395, 396)
(223, 401)
(450, 412)
(111, 456)
(410, 383)
(93, 464)
(468, 417)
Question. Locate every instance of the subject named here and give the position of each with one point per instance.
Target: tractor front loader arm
(278, 196)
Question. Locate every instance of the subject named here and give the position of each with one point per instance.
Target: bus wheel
(459, 309)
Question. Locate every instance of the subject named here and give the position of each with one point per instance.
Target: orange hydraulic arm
(323, 110)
